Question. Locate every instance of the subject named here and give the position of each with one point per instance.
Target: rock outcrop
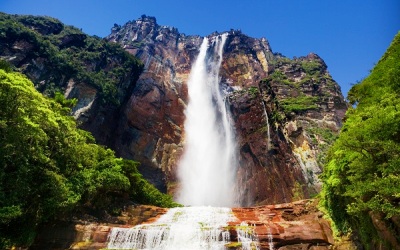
(281, 109)
(61, 58)
(285, 111)
(89, 232)
(297, 225)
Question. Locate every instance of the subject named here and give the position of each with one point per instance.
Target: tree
(362, 177)
(49, 167)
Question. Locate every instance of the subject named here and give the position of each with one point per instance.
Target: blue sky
(349, 35)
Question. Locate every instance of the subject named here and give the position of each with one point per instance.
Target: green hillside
(361, 189)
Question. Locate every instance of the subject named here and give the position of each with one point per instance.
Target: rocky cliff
(285, 111)
(61, 58)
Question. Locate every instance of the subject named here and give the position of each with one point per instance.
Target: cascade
(207, 168)
(267, 120)
(246, 236)
(206, 172)
(180, 228)
(194, 228)
(270, 239)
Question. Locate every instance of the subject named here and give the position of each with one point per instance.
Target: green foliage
(279, 76)
(253, 91)
(6, 66)
(326, 135)
(48, 167)
(299, 104)
(363, 170)
(311, 67)
(67, 53)
(276, 116)
(68, 103)
(297, 191)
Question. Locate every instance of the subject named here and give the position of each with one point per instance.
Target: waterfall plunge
(207, 173)
(208, 167)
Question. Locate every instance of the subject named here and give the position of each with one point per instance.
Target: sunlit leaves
(49, 167)
(363, 173)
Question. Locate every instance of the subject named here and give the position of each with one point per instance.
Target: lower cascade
(186, 228)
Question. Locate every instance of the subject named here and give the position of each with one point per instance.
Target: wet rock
(297, 225)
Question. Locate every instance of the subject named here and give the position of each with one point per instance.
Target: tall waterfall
(207, 174)
(208, 166)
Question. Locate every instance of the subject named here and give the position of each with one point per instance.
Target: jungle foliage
(362, 177)
(310, 72)
(49, 167)
(52, 53)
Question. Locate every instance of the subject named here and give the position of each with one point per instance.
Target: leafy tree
(48, 167)
(362, 177)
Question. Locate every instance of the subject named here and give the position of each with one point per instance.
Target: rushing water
(194, 228)
(208, 166)
(206, 172)
(180, 228)
(246, 236)
(268, 132)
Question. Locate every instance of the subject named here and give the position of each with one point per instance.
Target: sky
(349, 35)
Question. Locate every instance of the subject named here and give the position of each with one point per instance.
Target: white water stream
(180, 228)
(206, 172)
(194, 228)
(208, 167)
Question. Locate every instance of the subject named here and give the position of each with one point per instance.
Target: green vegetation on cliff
(51, 54)
(361, 190)
(299, 80)
(49, 168)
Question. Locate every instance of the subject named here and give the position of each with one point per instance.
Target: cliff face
(285, 124)
(160, 96)
(285, 111)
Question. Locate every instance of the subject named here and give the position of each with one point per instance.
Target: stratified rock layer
(297, 225)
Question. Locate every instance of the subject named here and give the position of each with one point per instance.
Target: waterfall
(270, 239)
(206, 171)
(194, 228)
(267, 120)
(208, 167)
(246, 236)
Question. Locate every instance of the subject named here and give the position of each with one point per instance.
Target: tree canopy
(362, 177)
(49, 167)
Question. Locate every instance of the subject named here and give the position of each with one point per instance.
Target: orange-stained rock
(296, 225)
(91, 235)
